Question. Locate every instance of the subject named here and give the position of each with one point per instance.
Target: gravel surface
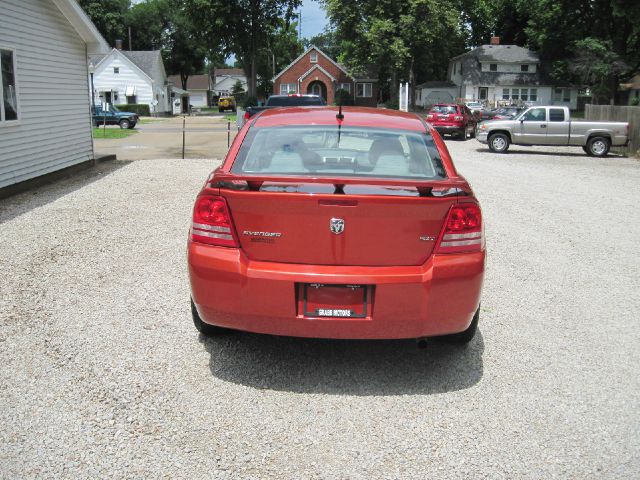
(103, 374)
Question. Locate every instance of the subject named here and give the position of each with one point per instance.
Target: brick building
(314, 72)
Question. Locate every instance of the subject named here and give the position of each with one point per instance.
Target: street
(104, 375)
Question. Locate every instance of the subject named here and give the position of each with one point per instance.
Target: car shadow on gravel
(38, 196)
(349, 367)
(513, 151)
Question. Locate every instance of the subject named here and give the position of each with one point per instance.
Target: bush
(635, 101)
(343, 98)
(139, 108)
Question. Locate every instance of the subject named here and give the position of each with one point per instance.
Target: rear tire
(598, 146)
(499, 143)
(462, 134)
(205, 328)
(466, 336)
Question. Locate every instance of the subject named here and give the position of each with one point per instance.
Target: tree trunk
(184, 77)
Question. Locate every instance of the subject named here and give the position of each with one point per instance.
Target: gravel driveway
(103, 375)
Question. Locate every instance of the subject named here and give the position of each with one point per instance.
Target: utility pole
(129, 37)
(300, 25)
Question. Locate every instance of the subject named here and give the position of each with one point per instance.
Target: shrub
(343, 98)
(139, 108)
(635, 101)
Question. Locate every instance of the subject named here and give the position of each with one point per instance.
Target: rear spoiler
(432, 188)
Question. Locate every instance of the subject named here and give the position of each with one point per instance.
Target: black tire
(205, 328)
(466, 336)
(124, 123)
(585, 150)
(473, 132)
(220, 110)
(462, 133)
(598, 146)
(132, 126)
(499, 142)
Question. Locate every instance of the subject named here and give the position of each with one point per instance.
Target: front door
(483, 93)
(533, 127)
(317, 88)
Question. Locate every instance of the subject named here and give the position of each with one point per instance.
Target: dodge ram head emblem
(336, 225)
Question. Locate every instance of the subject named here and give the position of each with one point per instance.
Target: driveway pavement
(205, 137)
(103, 375)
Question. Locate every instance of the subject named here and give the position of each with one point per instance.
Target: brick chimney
(494, 40)
(119, 44)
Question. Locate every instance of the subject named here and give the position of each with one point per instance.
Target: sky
(314, 18)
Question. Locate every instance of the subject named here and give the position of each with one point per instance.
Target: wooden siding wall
(618, 113)
(54, 127)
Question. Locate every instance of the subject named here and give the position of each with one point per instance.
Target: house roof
(233, 72)
(502, 54)
(313, 47)
(194, 82)
(145, 60)
(437, 84)
(85, 27)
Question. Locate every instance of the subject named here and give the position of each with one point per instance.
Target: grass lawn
(145, 120)
(231, 118)
(114, 132)
(208, 110)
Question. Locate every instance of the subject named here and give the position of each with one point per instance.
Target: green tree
(327, 41)
(108, 16)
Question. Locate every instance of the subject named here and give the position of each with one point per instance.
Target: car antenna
(340, 117)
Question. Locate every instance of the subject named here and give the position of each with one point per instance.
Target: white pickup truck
(553, 126)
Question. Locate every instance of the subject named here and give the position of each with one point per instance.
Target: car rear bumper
(437, 298)
(443, 129)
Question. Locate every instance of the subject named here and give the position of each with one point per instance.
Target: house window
(561, 95)
(524, 94)
(314, 57)
(345, 86)
(493, 67)
(515, 94)
(524, 68)
(116, 70)
(533, 95)
(455, 65)
(286, 88)
(364, 90)
(505, 94)
(131, 99)
(8, 95)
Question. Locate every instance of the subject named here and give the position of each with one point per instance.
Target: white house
(224, 80)
(126, 77)
(430, 93)
(198, 88)
(45, 120)
(506, 74)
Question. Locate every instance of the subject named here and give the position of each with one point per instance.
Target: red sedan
(337, 224)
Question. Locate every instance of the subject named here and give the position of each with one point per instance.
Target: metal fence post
(228, 134)
(184, 120)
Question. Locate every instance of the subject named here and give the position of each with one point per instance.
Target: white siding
(509, 67)
(160, 87)
(129, 76)
(54, 126)
(225, 84)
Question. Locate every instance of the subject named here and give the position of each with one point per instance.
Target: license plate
(336, 301)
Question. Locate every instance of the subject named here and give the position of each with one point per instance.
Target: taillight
(429, 117)
(212, 222)
(246, 116)
(463, 230)
(458, 118)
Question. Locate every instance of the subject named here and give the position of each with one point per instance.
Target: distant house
(506, 74)
(126, 77)
(630, 92)
(198, 88)
(314, 72)
(224, 79)
(45, 121)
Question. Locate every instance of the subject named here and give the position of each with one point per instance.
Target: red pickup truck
(453, 119)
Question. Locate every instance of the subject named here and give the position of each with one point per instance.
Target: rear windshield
(325, 150)
(444, 109)
(294, 101)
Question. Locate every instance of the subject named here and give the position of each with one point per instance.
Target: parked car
(291, 100)
(113, 116)
(475, 107)
(553, 126)
(452, 119)
(226, 103)
(502, 113)
(329, 226)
